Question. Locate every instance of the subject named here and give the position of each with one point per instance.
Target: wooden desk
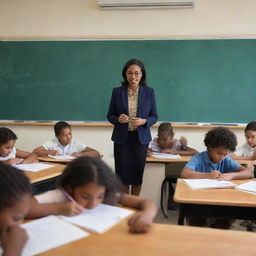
(162, 240)
(45, 179)
(182, 159)
(218, 203)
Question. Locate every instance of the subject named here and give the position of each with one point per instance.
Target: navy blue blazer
(146, 110)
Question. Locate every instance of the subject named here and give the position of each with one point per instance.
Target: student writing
(248, 150)
(64, 144)
(89, 182)
(8, 153)
(166, 143)
(215, 163)
(15, 199)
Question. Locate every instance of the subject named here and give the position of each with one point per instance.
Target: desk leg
(163, 186)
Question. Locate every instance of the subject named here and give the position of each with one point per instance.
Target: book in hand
(249, 187)
(208, 183)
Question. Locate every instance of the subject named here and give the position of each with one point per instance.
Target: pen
(68, 196)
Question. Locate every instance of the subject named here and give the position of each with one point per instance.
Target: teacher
(132, 111)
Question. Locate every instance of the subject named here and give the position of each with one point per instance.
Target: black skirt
(130, 160)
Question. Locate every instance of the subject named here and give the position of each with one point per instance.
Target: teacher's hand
(123, 118)
(136, 122)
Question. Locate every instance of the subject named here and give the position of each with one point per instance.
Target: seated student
(63, 144)
(15, 200)
(8, 153)
(85, 183)
(248, 150)
(166, 143)
(215, 163)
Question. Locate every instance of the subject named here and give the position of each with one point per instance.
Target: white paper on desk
(249, 187)
(208, 183)
(100, 218)
(164, 155)
(33, 167)
(48, 233)
(63, 157)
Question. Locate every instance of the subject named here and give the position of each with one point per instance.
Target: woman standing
(132, 111)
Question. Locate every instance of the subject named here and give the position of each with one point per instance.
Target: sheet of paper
(63, 157)
(249, 186)
(100, 218)
(208, 183)
(48, 233)
(165, 156)
(33, 167)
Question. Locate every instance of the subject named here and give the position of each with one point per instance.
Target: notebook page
(63, 157)
(165, 155)
(48, 233)
(99, 219)
(33, 167)
(208, 183)
(249, 186)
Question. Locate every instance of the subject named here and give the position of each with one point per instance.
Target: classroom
(35, 20)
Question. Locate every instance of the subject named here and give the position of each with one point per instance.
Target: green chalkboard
(194, 80)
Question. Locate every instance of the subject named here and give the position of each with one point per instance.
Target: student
(85, 183)
(166, 143)
(215, 163)
(15, 199)
(248, 150)
(63, 144)
(8, 153)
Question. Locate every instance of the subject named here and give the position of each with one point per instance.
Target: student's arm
(187, 152)
(13, 240)
(28, 157)
(87, 152)
(40, 210)
(237, 157)
(41, 151)
(188, 173)
(141, 221)
(242, 173)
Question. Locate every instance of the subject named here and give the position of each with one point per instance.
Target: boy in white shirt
(63, 144)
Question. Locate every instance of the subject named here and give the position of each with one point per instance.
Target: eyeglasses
(136, 74)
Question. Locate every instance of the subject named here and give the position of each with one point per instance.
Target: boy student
(63, 144)
(248, 150)
(215, 163)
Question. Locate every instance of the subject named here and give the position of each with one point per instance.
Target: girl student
(8, 153)
(15, 199)
(166, 143)
(85, 183)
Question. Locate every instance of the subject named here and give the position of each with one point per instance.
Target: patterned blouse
(132, 106)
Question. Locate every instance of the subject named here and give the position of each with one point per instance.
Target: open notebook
(249, 186)
(48, 233)
(63, 157)
(99, 219)
(164, 155)
(208, 183)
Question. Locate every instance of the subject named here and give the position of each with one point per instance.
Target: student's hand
(75, 154)
(136, 122)
(228, 176)
(13, 240)
(149, 153)
(53, 152)
(70, 209)
(216, 175)
(123, 118)
(13, 161)
(140, 223)
(168, 151)
(183, 142)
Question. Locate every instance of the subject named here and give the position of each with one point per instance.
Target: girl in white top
(248, 150)
(8, 153)
(85, 183)
(63, 144)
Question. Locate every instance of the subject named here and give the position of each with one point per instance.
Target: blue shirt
(202, 163)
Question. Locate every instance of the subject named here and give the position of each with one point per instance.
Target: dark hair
(13, 185)
(139, 64)
(251, 126)
(220, 137)
(6, 134)
(84, 170)
(59, 126)
(165, 127)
